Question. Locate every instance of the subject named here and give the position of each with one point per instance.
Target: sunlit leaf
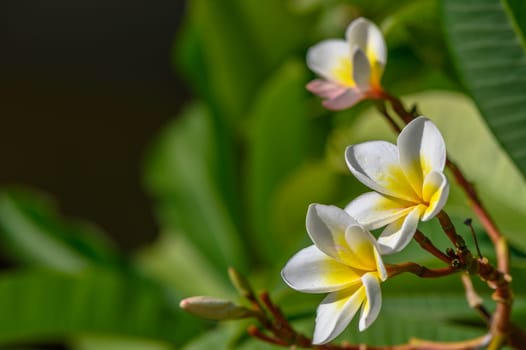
(490, 52)
(180, 175)
(276, 147)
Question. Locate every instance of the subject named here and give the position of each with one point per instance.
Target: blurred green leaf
(471, 145)
(233, 64)
(180, 176)
(37, 305)
(418, 57)
(33, 232)
(518, 9)
(220, 338)
(490, 51)
(275, 29)
(291, 200)
(99, 342)
(174, 261)
(277, 143)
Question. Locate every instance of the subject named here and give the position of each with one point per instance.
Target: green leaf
(276, 30)
(38, 305)
(33, 232)
(276, 148)
(233, 63)
(180, 174)
(291, 200)
(489, 49)
(101, 342)
(470, 145)
(174, 261)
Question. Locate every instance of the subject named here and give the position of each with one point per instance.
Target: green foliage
(34, 233)
(180, 175)
(40, 304)
(491, 58)
(277, 144)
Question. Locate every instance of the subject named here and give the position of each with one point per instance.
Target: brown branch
(419, 270)
(426, 244)
(450, 231)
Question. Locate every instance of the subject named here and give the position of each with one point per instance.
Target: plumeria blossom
(350, 69)
(344, 262)
(408, 181)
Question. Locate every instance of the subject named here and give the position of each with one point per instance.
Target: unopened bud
(240, 283)
(214, 309)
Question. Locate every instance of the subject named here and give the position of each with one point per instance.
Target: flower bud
(240, 283)
(214, 309)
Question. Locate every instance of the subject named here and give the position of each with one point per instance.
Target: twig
(419, 270)
(474, 300)
(426, 244)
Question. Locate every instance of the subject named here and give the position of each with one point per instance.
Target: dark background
(85, 86)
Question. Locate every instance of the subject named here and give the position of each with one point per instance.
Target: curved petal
(335, 312)
(359, 251)
(326, 226)
(374, 210)
(345, 100)
(361, 72)
(373, 301)
(312, 271)
(376, 165)
(435, 192)
(422, 150)
(331, 59)
(326, 89)
(397, 235)
(380, 267)
(367, 36)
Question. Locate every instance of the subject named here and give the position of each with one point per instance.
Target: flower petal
(326, 226)
(344, 101)
(376, 165)
(335, 312)
(374, 210)
(359, 251)
(373, 301)
(361, 71)
(435, 192)
(422, 150)
(368, 37)
(331, 59)
(397, 235)
(380, 267)
(312, 271)
(326, 89)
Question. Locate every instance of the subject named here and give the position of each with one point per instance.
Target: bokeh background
(85, 87)
(148, 146)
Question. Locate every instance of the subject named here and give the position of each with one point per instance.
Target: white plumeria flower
(351, 69)
(408, 179)
(344, 262)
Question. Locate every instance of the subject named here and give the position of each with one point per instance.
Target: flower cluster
(408, 186)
